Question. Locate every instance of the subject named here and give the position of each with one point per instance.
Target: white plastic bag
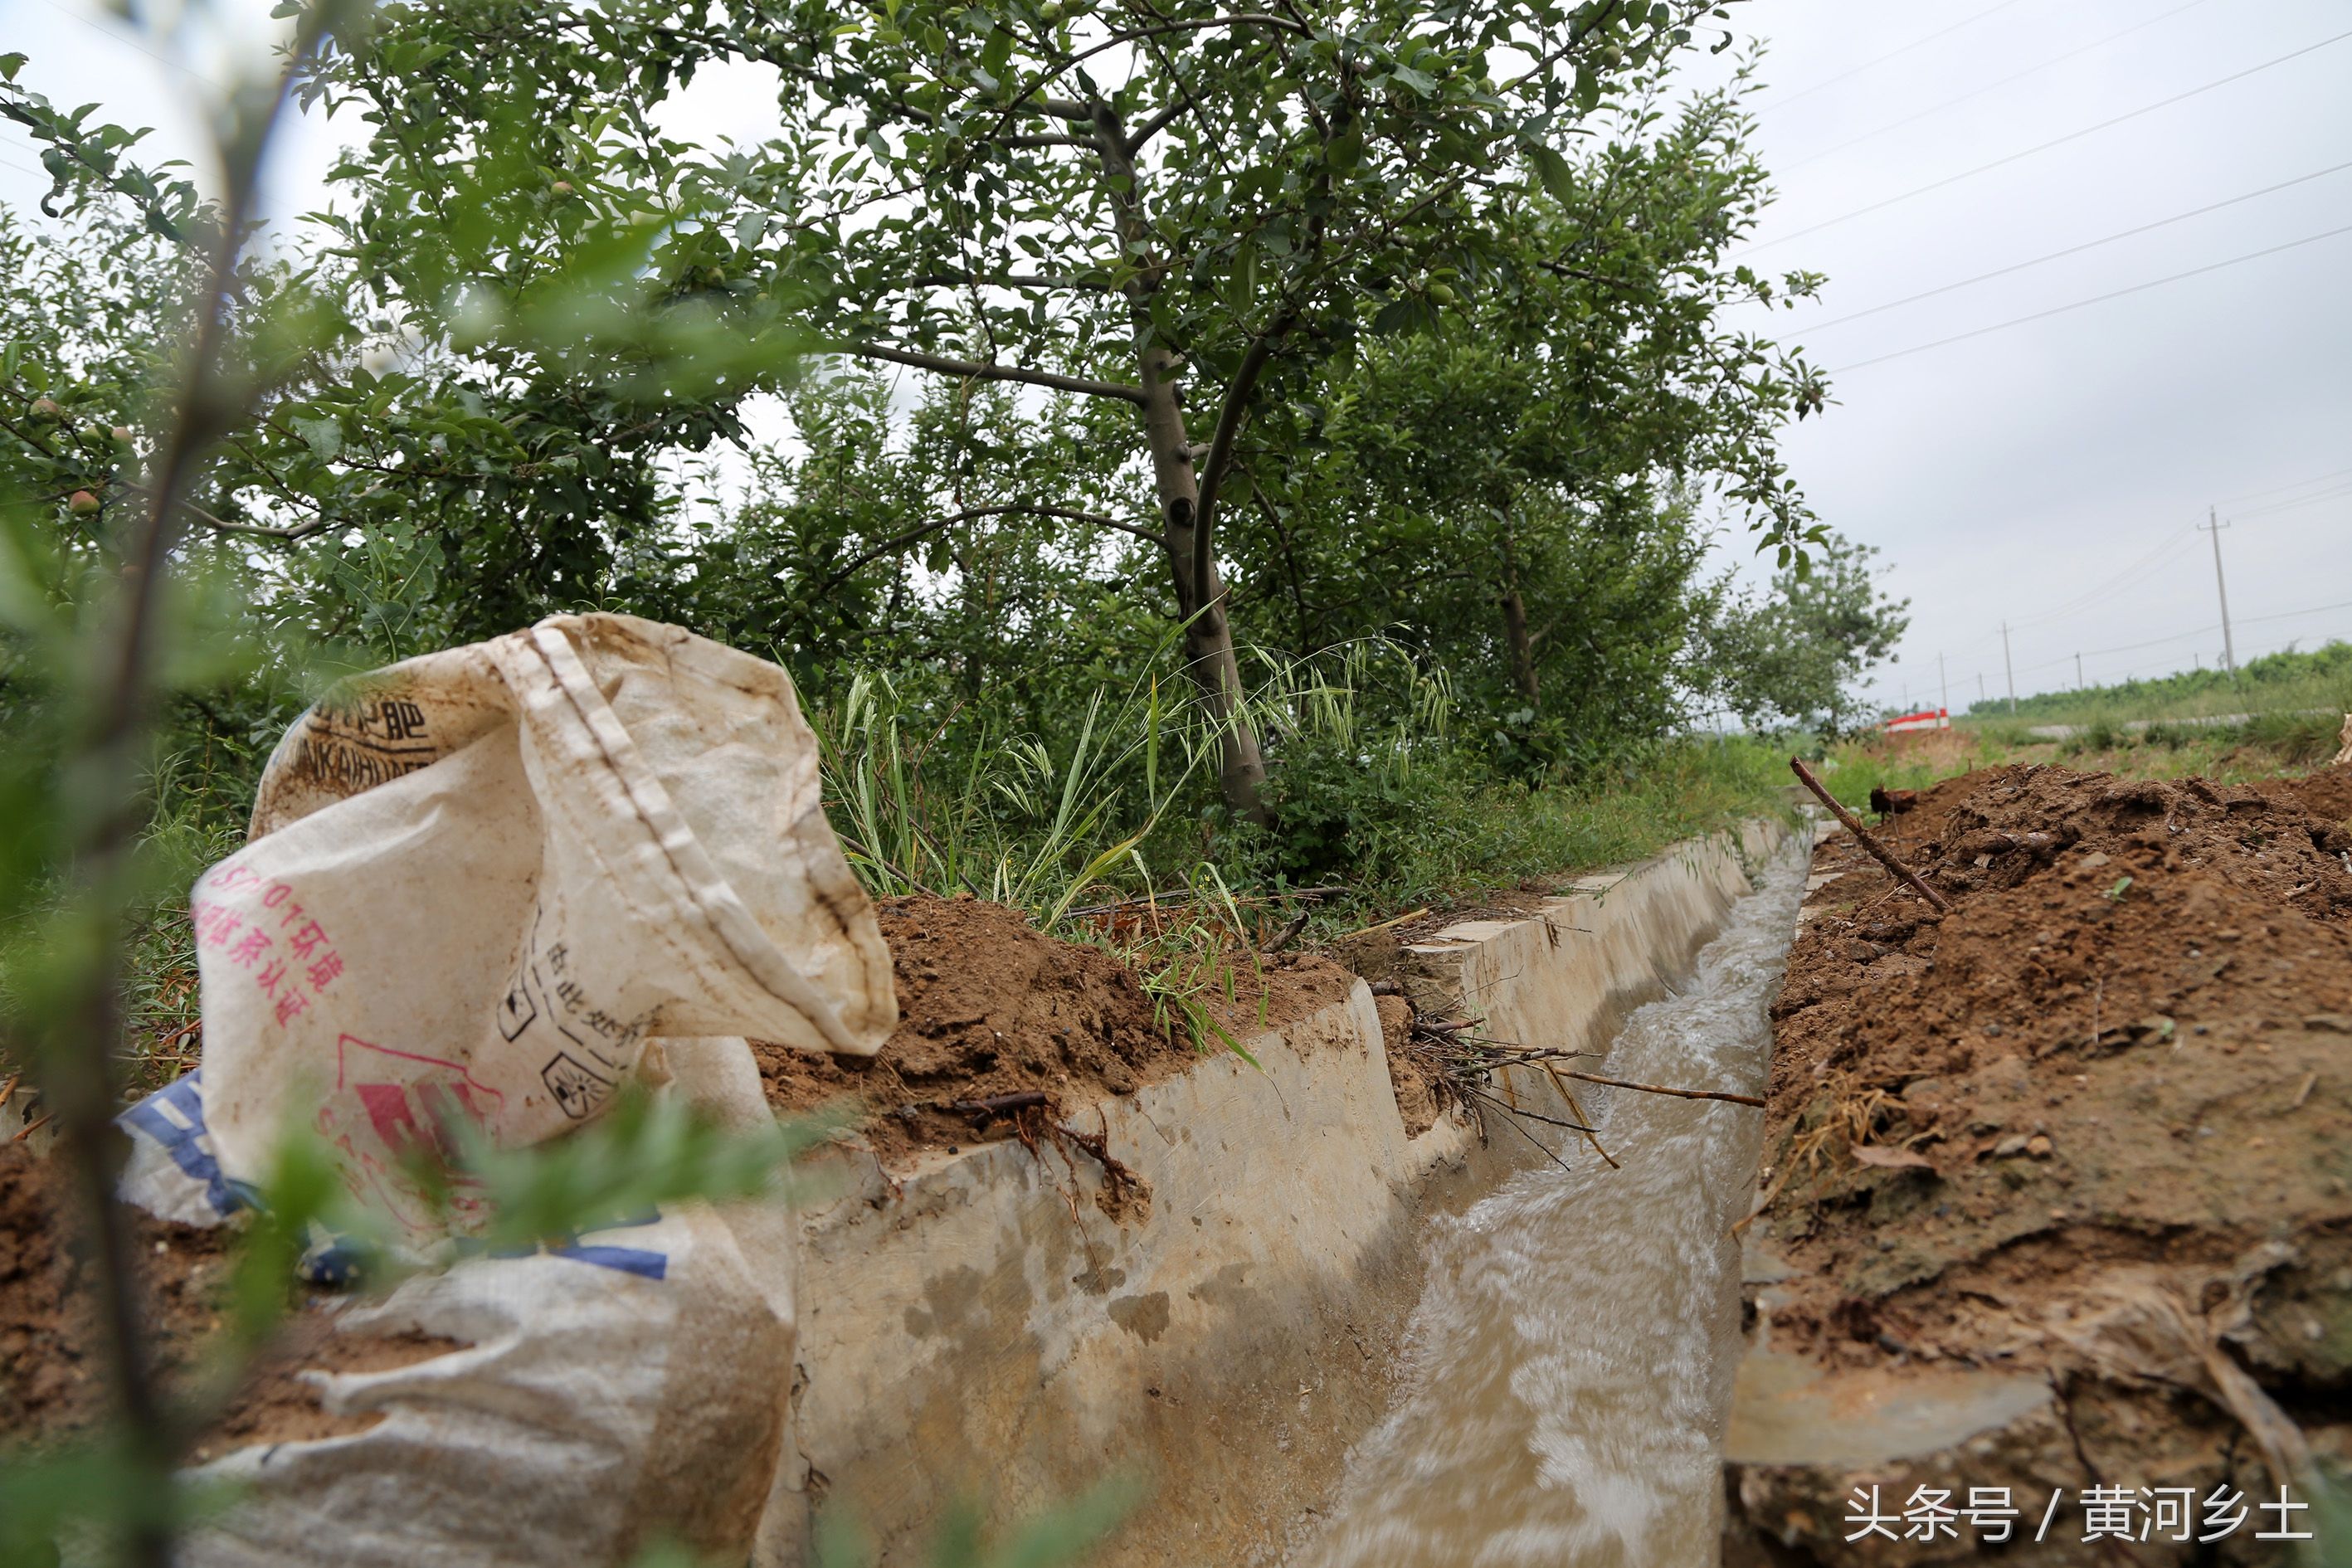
(627, 1386)
(480, 880)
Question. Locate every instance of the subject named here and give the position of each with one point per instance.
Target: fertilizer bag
(478, 881)
(600, 1392)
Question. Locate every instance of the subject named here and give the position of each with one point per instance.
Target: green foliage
(1441, 294)
(2315, 678)
(1450, 829)
(1792, 658)
(1197, 210)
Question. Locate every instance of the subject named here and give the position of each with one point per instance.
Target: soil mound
(52, 1381)
(990, 1008)
(2326, 794)
(2092, 1127)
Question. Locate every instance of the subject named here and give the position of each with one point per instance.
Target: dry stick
(1288, 934)
(1174, 893)
(1863, 837)
(1000, 1104)
(1513, 1118)
(1400, 919)
(1661, 1089)
(1569, 1095)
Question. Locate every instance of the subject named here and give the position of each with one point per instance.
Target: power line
(2095, 299)
(2126, 648)
(1989, 87)
(1891, 53)
(2147, 566)
(2045, 146)
(2338, 493)
(2289, 615)
(2077, 250)
(2178, 636)
(2281, 489)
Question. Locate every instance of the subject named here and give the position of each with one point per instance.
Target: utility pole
(2214, 525)
(1943, 686)
(2009, 669)
(1980, 696)
(2078, 660)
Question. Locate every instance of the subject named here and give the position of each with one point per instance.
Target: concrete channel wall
(983, 1328)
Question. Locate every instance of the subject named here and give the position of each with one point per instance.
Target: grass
(2264, 745)
(2291, 683)
(1112, 835)
(1854, 768)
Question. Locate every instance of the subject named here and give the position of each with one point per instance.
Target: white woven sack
(479, 881)
(623, 1388)
(628, 1385)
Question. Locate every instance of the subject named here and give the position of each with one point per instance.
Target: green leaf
(324, 437)
(1554, 171)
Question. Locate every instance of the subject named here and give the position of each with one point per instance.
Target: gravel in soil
(989, 1007)
(2094, 1126)
(52, 1379)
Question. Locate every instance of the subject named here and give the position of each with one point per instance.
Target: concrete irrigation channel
(1315, 1333)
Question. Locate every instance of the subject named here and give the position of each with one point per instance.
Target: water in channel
(1571, 1359)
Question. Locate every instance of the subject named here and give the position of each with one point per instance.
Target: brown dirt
(2326, 794)
(52, 1385)
(2122, 1064)
(1419, 1094)
(989, 1006)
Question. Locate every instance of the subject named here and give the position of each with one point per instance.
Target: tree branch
(250, 530)
(1005, 280)
(1020, 508)
(973, 370)
(1221, 445)
(1159, 121)
(1042, 141)
(1077, 113)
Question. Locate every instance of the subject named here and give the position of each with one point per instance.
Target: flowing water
(1572, 1355)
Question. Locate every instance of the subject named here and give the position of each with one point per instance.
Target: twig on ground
(1288, 933)
(1863, 837)
(1398, 920)
(1177, 894)
(998, 1104)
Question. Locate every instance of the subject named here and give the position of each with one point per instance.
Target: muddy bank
(2060, 1183)
(52, 1380)
(982, 1324)
(991, 1008)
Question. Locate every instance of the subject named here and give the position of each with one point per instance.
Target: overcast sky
(2049, 473)
(2052, 473)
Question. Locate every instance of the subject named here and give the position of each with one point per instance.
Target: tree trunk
(1208, 634)
(1514, 631)
(1523, 651)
